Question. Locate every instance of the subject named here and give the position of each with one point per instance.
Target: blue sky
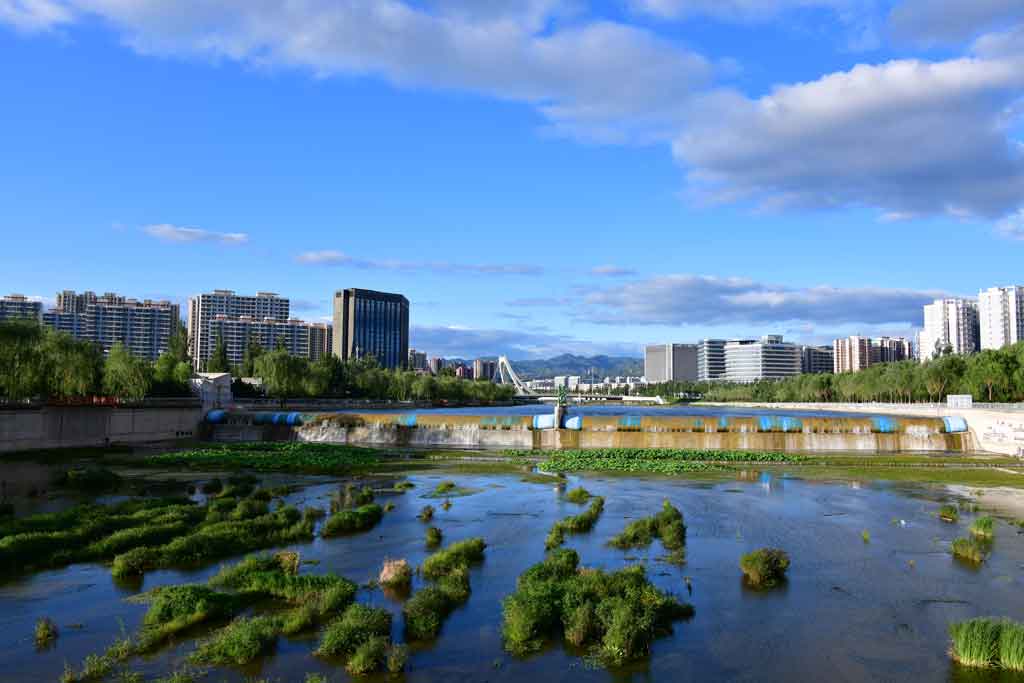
(537, 176)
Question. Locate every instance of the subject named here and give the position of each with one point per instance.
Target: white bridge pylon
(504, 374)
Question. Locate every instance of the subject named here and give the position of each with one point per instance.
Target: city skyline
(202, 155)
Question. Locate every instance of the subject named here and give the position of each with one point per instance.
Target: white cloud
(330, 257)
(34, 15)
(612, 271)
(737, 10)
(1012, 227)
(934, 22)
(709, 300)
(594, 78)
(173, 233)
(1000, 43)
(907, 137)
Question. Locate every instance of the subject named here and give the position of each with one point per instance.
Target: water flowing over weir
(755, 433)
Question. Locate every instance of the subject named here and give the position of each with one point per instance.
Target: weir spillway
(540, 432)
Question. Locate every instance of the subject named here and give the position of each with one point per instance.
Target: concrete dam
(555, 431)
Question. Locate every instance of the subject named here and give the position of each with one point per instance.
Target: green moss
(765, 568)
(619, 614)
(352, 521)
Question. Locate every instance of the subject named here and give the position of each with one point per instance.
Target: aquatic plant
(667, 525)
(240, 642)
(351, 521)
(176, 608)
(444, 487)
(578, 495)
(457, 555)
(433, 537)
(427, 513)
(357, 625)
(654, 460)
(92, 479)
(404, 486)
(446, 505)
(289, 456)
(968, 549)
(427, 609)
(369, 656)
(985, 527)
(398, 657)
(949, 513)
(388, 507)
(618, 613)
(46, 632)
(576, 524)
(976, 642)
(766, 567)
(395, 574)
(865, 536)
(1011, 645)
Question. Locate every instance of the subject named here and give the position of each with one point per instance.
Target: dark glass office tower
(368, 323)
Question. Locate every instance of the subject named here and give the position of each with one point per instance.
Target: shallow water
(850, 610)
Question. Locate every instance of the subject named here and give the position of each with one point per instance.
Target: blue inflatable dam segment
(955, 424)
(216, 417)
(884, 425)
(544, 421)
(575, 423)
(773, 423)
(723, 424)
(630, 421)
(406, 420)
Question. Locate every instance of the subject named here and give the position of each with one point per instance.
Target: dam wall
(761, 433)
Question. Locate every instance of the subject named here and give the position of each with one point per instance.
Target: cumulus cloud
(591, 77)
(930, 22)
(708, 300)
(612, 271)
(1012, 227)
(516, 344)
(907, 137)
(329, 257)
(34, 15)
(173, 233)
(997, 44)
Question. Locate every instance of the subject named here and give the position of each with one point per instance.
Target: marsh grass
(576, 524)
(444, 488)
(240, 642)
(357, 625)
(968, 549)
(616, 615)
(1011, 646)
(398, 657)
(667, 525)
(984, 527)
(578, 495)
(395, 574)
(949, 513)
(369, 656)
(174, 609)
(351, 521)
(46, 633)
(350, 496)
(446, 505)
(388, 507)
(427, 513)
(765, 568)
(404, 486)
(976, 642)
(865, 536)
(448, 569)
(434, 537)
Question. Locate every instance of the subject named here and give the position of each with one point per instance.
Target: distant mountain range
(568, 364)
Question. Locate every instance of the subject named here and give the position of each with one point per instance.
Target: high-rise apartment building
(297, 337)
(143, 327)
(816, 360)
(949, 324)
(711, 360)
(484, 369)
(19, 306)
(891, 350)
(1001, 316)
(670, 363)
(435, 364)
(851, 354)
(768, 358)
(417, 360)
(369, 323)
(204, 308)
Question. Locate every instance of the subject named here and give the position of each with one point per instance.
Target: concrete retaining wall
(84, 426)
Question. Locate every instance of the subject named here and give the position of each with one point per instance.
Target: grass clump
(765, 568)
(174, 609)
(352, 521)
(351, 497)
(578, 495)
(398, 657)
(667, 525)
(1011, 646)
(444, 488)
(949, 513)
(617, 614)
(405, 486)
(576, 524)
(357, 625)
(865, 536)
(984, 527)
(427, 513)
(46, 632)
(448, 569)
(976, 642)
(369, 656)
(240, 642)
(433, 537)
(968, 549)
(395, 574)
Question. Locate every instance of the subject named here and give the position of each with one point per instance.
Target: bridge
(506, 374)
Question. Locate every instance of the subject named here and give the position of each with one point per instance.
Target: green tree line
(37, 362)
(992, 376)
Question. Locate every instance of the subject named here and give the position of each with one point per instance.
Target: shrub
(357, 625)
(985, 527)
(578, 495)
(46, 632)
(240, 642)
(949, 513)
(352, 521)
(976, 642)
(766, 567)
(968, 549)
